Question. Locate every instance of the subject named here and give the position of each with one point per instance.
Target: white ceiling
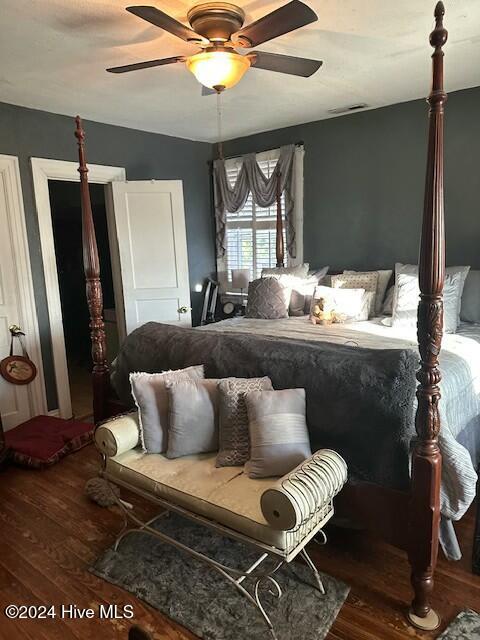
(53, 55)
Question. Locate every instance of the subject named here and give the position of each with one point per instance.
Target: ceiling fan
(217, 28)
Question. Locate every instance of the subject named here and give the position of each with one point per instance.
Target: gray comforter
(360, 402)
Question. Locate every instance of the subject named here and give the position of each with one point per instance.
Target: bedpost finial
(439, 10)
(80, 136)
(439, 35)
(79, 132)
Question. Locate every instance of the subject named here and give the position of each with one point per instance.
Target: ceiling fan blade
(285, 64)
(146, 65)
(291, 16)
(166, 22)
(206, 91)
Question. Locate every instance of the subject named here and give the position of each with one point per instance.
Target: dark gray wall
(364, 181)
(29, 133)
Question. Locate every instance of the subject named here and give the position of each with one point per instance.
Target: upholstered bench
(278, 515)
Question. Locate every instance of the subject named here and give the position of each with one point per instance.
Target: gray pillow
(459, 281)
(150, 394)
(408, 295)
(299, 289)
(193, 417)
(234, 437)
(321, 275)
(268, 299)
(470, 308)
(387, 308)
(278, 432)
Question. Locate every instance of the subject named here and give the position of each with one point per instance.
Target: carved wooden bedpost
(427, 460)
(91, 266)
(279, 243)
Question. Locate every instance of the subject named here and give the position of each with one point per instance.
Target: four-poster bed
(381, 509)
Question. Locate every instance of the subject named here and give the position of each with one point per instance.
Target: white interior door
(17, 402)
(152, 244)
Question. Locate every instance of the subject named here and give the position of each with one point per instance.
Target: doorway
(45, 171)
(67, 236)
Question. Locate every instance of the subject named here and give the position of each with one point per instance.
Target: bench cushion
(225, 495)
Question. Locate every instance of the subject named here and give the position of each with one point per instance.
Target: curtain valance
(251, 179)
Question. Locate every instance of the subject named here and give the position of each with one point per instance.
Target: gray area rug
(199, 598)
(466, 626)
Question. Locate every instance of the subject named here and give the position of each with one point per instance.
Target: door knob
(184, 309)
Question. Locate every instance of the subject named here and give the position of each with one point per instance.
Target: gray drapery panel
(251, 179)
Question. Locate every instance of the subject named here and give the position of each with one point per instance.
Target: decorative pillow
(347, 305)
(387, 308)
(412, 269)
(300, 270)
(151, 397)
(301, 289)
(301, 296)
(193, 417)
(384, 276)
(278, 432)
(470, 308)
(319, 273)
(367, 281)
(234, 439)
(268, 299)
(408, 295)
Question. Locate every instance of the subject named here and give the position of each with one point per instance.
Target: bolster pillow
(310, 487)
(118, 435)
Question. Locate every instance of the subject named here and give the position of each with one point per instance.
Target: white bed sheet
(460, 386)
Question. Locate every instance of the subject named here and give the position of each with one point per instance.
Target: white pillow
(300, 270)
(408, 296)
(384, 276)
(351, 305)
(367, 280)
(412, 269)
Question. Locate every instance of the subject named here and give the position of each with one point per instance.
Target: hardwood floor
(50, 534)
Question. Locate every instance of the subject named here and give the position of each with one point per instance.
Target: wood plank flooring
(50, 534)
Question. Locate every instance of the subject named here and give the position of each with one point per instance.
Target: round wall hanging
(18, 369)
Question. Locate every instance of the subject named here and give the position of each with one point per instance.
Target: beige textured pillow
(234, 438)
(150, 394)
(384, 276)
(367, 281)
(279, 438)
(193, 417)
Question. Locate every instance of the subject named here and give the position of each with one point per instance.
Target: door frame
(43, 170)
(10, 177)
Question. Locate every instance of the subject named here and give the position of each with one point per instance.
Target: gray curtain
(251, 179)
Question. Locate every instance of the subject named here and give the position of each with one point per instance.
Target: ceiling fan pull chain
(219, 125)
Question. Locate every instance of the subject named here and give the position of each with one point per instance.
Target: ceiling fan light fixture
(216, 69)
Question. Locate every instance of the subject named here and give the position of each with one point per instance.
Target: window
(251, 231)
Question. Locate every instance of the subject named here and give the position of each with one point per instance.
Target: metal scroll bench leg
(234, 576)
